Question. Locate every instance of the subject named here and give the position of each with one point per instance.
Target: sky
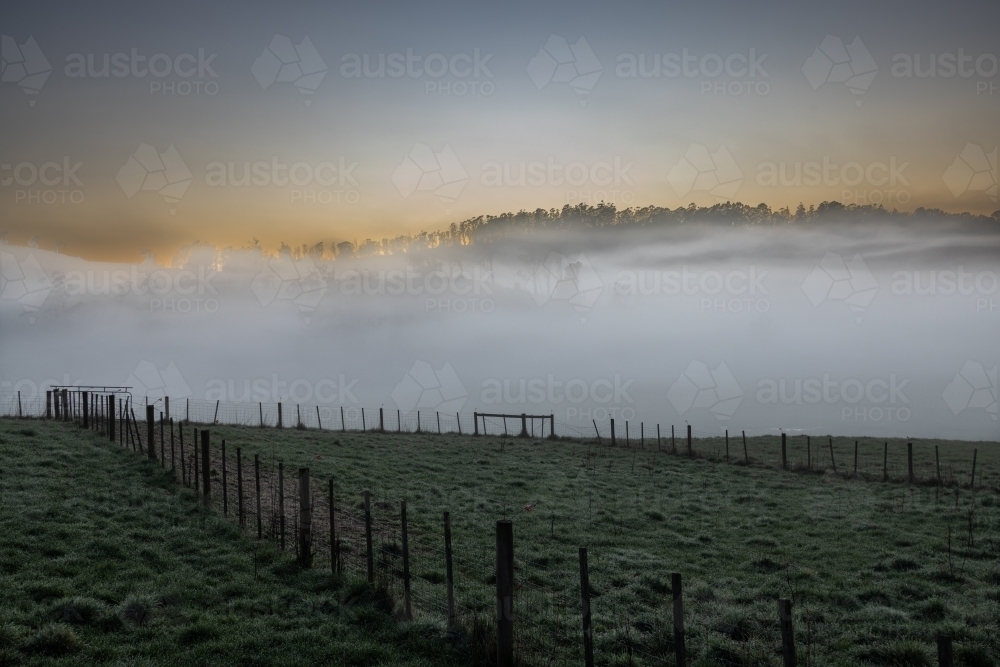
(500, 107)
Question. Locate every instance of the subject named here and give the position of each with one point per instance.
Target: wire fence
(426, 577)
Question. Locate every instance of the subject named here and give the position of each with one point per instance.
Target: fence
(861, 458)
(372, 536)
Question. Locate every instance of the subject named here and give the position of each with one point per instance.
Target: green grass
(105, 560)
(866, 563)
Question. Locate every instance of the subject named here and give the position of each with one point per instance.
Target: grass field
(875, 569)
(105, 560)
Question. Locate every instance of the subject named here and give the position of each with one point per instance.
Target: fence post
(833, 461)
(458, 419)
(206, 469)
(183, 460)
(972, 480)
(475, 423)
(343, 424)
(305, 519)
(260, 406)
(588, 638)
(280, 422)
(944, 651)
(150, 433)
(333, 530)
(163, 458)
(613, 444)
(86, 408)
(657, 437)
(937, 464)
(196, 456)
(784, 452)
(239, 487)
(885, 463)
(48, 404)
(281, 503)
(225, 482)
(368, 536)
(909, 463)
(437, 415)
(381, 420)
(256, 475)
(727, 445)
(505, 593)
(449, 575)
(690, 449)
(855, 458)
(111, 417)
(746, 455)
(319, 420)
(677, 592)
(406, 560)
(166, 406)
(787, 635)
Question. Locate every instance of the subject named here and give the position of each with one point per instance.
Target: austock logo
(184, 74)
(425, 388)
(702, 171)
(835, 279)
(149, 170)
(285, 62)
(875, 400)
(558, 278)
(699, 387)
(974, 170)
(558, 62)
(24, 282)
(295, 280)
(23, 64)
(148, 380)
(51, 182)
(974, 387)
(425, 170)
(835, 62)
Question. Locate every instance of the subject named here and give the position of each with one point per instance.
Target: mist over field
(844, 329)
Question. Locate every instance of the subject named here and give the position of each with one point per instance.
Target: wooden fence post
(206, 469)
(588, 637)
(281, 503)
(260, 406)
(183, 460)
(305, 519)
(86, 408)
(150, 434)
(673, 441)
(937, 463)
(333, 530)
(657, 437)
(256, 475)
(475, 423)
(48, 404)
(855, 458)
(787, 635)
(280, 422)
(368, 536)
(690, 449)
(505, 593)
(319, 420)
(677, 592)
(809, 448)
(909, 463)
(163, 459)
(972, 480)
(833, 461)
(727, 445)
(784, 452)
(239, 487)
(225, 482)
(173, 452)
(746, 456)
(613, 444)
(406, 560)
(885, 462)
(381, 420)
(944, 651)
(111, 417)
(196, 455)
(449, 576)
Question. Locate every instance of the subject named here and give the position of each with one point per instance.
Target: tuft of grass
(53, 640)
